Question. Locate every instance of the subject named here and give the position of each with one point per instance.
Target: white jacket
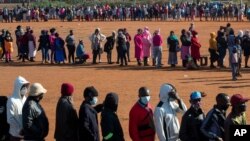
(15, 106)
(166, 122)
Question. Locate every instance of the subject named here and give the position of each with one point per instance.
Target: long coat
(147, 41)
(66, 120)
(195, 48)
(138, 46)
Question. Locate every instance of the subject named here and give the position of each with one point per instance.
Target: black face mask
(242, 107)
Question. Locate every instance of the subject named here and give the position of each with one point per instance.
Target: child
(8, 45)
(234, 62)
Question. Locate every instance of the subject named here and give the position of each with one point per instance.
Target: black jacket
(35, 121)
(88, 122)
(4, 130)
(190, 125)
(66, 120)
(109, 45)
(111, 124)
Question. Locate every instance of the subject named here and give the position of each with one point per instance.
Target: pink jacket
(147, 41)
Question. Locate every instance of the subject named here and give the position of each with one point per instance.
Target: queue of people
(27, 120)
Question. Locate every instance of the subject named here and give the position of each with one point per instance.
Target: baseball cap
(238, 98)
(195, 95)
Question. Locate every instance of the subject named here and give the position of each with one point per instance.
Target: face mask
(94, 101)
(242, 107)
(171, 99)
(145, 99)
(23, 91)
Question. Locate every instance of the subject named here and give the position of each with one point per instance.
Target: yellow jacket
(213, 42)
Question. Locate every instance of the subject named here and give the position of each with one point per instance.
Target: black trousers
(109, 56)
(95, 53)
(71, 51)
(123, 57)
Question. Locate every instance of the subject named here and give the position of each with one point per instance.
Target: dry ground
(126, 80)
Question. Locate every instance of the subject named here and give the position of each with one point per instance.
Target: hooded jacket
(166, 122)
(14, 107)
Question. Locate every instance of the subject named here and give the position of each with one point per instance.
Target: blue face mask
(94, 101)
(145, 99)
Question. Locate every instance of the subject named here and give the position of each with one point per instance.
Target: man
(14, 108)
(88, 120)
(35, 121)
(141, 124)
(110, 124)
(213, 125)
(237, 115)
(66, 116)
(192, 120)
(70, 40)
(138, 46)
(166, 122)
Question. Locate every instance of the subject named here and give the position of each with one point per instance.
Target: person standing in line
(192, 120)
(66, 128)
(213, 50)
(108, 47)
(141, 123)
(173, 45)
(35, 121)
(213, 125)
(8, 45)
(147, 42)
(52, 39)
(165, 116)
(70, 43)
(157, 49)
(96, 39)
(128, 39)
(14, 108)
(122, 48)
(195, 47)
(238, 114)
(110, 124)
(88, 121)
(185, 48)
(138, 46)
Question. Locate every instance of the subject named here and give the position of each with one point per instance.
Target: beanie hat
(90, 92)
(36, 89)
(67, 89)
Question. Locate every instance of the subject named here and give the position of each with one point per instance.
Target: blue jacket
(80, 50)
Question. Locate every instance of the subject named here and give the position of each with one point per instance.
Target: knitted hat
(37, 89)
(67, 89)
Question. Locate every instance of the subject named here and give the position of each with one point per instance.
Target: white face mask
(23, 91)
(94, 101)
(145, 99)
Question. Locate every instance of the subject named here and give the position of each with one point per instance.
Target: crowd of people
(146, 46)
(164, 12)
(23, 117)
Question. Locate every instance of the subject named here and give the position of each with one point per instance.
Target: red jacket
(195, 48)
(141, 125)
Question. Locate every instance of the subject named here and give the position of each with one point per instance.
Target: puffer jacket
(35, 121)
(14, 107)
(166, 122)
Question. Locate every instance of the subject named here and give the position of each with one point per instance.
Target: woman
(195, 47)
(32, 46)
(173, 45)
(44, 46)
(60, 54)
(138, 46)
(122, 48)
(186, 43)
(146, 40)
(108, 47)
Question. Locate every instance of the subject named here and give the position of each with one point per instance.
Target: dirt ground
(125, 81)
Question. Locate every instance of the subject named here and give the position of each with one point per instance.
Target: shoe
(234, 79)
(212, 66)
(246, 66)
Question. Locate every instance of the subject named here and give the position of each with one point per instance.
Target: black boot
(153, 60)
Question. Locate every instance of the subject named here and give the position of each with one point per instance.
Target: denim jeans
(157, 51)
(234, 67)
(45, 54)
